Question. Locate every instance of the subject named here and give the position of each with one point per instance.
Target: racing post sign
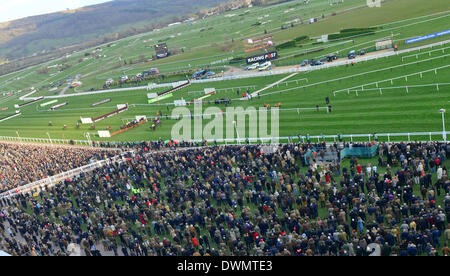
(262, 58)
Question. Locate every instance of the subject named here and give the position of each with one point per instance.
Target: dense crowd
(240, 200)
(22, 164)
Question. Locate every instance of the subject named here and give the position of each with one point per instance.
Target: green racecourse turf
(395, 111)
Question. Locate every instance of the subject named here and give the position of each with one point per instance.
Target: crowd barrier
(53, 180)
(388, 137)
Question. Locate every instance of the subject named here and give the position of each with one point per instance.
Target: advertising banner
(85, 121)
(58, 106)
(262, 58)
(49, 103)
(160, 98)
(425, 37)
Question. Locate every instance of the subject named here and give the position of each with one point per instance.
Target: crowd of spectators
(241, 200)
(22, 164)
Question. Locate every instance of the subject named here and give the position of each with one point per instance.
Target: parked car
(253, 66)
(332, 57)
(265, 66)
(304, 63)
(352, 55)
(208, 74)
(198, 74)
(151, 72)
(362, 52)
(316, 63)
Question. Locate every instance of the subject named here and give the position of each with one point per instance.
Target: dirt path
(64, 90)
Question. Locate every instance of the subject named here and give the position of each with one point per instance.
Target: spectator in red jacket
(359, 169)
(195, 241)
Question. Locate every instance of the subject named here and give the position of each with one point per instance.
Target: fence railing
(392, 79)
(53, 180)
(388, 137)
(424, 53)
(44, 140)
(407, 87)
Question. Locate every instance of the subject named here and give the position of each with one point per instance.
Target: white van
(265, 66)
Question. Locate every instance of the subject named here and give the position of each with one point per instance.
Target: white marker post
(444, 134)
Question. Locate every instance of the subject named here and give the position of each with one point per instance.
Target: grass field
(368, 111)
(211, 47)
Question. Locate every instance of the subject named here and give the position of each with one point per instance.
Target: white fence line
(429, 53)
(44, 140)
(273, 84)
(357, 75)
(392, 79)
(402, 65)
(334, 137)
(53, 180)
(399, 87)
(285, 138)
(10, 117)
